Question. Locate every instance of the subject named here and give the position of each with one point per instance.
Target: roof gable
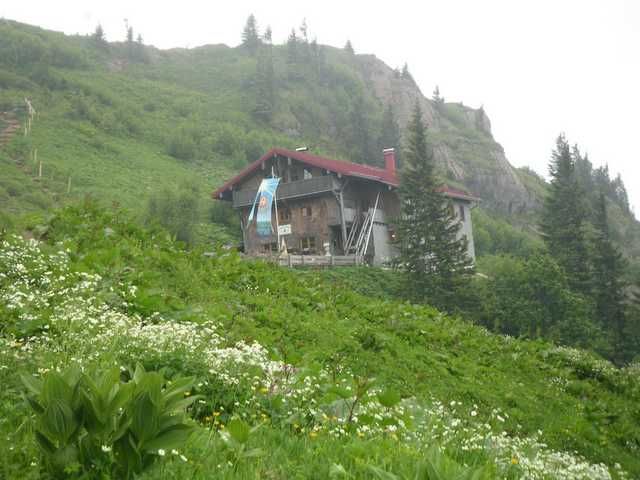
(349, 169)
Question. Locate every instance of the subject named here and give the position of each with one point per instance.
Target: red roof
(345, 168)
(455, 193)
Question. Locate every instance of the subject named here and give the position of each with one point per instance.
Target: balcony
(300, 188)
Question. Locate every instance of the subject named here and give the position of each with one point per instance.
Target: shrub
(181, 146)
(178, 211)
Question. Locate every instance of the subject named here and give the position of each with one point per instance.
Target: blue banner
(264, 199)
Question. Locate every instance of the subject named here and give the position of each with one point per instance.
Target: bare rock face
(389, 87)
(463, 143)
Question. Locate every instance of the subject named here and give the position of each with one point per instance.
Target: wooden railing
(319, 260)
(300, 188)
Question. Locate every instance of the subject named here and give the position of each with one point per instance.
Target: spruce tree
(314, 53)
(293, 56)
(305, 49)
(608, 282)
(563, 218)
(436, 98)
(250, 37)
(265, 85)
(390, 133)
(348, 47)
(131, 51)
(405, 72)
(268, 34)
(434, 258)
(98, 36)
(360, 140)
(304, 31)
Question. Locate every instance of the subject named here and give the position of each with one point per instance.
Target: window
(284, 215)
(269, 247)
(306, 211)
(461, 210)
(308, 244)
(306, 174)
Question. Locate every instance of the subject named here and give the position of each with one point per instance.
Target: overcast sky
(538, 67)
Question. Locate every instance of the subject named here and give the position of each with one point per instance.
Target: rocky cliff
(463, 143)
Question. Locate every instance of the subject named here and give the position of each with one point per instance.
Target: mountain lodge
(329, 207)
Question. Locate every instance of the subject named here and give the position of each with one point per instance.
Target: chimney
(390, 160)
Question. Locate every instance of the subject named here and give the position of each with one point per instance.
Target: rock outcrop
(463, 143)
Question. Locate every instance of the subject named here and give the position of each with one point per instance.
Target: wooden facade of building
(328, 207)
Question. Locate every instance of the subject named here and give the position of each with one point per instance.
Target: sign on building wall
(264, 199)
(284, 229)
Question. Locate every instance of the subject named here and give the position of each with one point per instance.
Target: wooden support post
(289, 260)
(343, 222)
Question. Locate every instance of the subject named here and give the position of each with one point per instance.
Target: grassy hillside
(100, 292)
(124, 122)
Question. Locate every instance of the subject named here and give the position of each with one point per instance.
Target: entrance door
(337, 246)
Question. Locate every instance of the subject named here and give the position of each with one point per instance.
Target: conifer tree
(293, 55)
(131, 51)
(360, 140)
(98, 36)
(304, 31)
(349, 48)
(436, 98)
(608, 281)
(390, 133)
(250, 36)
(268, 34)
(434, 258)
(314, 53)
(563, 218)
(405, 72)
(265, 84)
(305, 50)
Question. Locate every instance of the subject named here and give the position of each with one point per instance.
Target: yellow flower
(313, 434)
(514, 461)
(216, 414)
(264, 390)
(186, 394)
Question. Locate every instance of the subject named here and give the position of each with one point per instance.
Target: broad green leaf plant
(107, 425)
